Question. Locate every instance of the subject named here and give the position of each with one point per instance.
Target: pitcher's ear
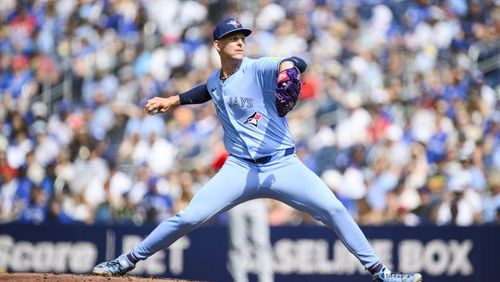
(217, 45)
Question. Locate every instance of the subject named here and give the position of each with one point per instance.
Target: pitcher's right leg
(225, 190)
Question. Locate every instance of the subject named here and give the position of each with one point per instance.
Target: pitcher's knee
(334, 209)
(191, 218)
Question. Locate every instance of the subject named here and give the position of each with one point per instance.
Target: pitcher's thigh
(225, 190)
(299, 187)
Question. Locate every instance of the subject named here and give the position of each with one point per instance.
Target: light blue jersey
(252, 127)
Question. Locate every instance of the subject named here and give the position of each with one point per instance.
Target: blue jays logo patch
(234, 23)
(254, 119)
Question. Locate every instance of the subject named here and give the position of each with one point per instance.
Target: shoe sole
(418, 278)
(102, 273)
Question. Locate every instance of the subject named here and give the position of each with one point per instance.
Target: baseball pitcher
(252, 98)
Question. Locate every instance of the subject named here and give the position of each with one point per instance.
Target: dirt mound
(49, 277)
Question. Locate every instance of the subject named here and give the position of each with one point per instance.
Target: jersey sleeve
(266, 70)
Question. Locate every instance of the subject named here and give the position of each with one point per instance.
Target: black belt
(266, 159)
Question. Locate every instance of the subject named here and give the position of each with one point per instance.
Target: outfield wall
(305, 253)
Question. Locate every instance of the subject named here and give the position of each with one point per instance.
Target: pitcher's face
(231, 46)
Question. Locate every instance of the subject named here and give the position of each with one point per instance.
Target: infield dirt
(50, 277)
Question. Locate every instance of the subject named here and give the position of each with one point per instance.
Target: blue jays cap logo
(254, 119)
(227, 26)
(234, 23)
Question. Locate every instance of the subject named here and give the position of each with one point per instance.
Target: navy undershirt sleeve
(298, 62)
(196, 95)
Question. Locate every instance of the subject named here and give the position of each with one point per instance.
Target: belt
(266, 159)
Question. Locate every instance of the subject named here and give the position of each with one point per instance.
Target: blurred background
(399, 113)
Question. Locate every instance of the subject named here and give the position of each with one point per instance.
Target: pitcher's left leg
(300, 188)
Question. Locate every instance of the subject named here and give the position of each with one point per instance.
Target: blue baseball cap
(227, 26)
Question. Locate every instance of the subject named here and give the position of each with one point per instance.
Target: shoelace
(114, 265)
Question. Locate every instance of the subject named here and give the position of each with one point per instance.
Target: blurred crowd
(399, 113)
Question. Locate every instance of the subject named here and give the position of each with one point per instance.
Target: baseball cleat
(115, 267)
(386, 275)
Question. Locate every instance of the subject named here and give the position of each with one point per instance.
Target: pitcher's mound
(49, 277)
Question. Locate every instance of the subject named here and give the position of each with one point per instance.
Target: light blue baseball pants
(285, 179)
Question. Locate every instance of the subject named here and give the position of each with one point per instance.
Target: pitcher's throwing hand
(161, 105)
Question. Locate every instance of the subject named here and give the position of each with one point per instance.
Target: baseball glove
(288, 90)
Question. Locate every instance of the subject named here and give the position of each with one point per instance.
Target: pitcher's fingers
(151, 105)
(153, 111)
(149, 108)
